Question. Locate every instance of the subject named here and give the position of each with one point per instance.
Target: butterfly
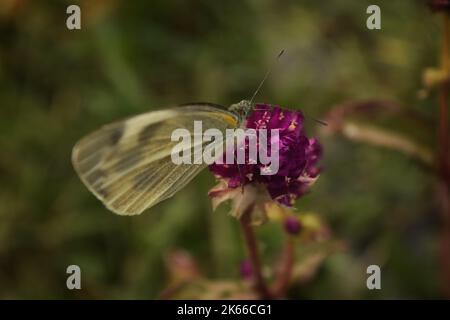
(127, 164)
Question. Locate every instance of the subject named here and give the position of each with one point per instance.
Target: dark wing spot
(116, 135)
(102, 192)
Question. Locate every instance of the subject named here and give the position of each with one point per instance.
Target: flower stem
(285, 270)
(252, 247)
(443, 99)
(443, 158)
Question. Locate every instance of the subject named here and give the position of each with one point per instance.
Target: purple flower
(292, 225)
(246, 270)
(298, 156)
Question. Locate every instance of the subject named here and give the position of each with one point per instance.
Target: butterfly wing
(128, 165)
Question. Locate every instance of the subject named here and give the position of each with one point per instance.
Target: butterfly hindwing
(128, 165)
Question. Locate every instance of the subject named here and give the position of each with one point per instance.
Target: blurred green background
(130, 57)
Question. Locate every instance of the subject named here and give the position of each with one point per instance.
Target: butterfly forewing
(128, 165)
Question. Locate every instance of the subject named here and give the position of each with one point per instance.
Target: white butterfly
(127, 164)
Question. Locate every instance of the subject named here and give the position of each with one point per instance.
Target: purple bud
(292, 225)
(246, 270)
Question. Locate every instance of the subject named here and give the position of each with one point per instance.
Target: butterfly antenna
(269, 70)
(320, 122)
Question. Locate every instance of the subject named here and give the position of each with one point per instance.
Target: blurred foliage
(134, 56)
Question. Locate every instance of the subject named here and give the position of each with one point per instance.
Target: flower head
(298, 156)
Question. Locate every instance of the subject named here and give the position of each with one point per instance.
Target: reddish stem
(252, 247)
(285, 271)
(443, 160)
(443, 101)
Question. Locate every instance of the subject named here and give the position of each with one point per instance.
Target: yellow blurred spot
(230, 120)
(276, 212)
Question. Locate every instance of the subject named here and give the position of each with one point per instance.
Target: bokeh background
(130, 57)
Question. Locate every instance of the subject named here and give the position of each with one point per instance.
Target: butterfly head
(242, 109)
